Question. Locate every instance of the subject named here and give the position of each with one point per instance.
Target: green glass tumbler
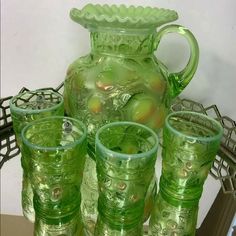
(190, 144)
(125, 154)
(55, 150)
(26, 107)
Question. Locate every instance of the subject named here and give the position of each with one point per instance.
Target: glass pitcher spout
(121, 17)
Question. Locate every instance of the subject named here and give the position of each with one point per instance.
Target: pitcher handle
(179, 80)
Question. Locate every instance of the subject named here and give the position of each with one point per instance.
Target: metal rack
(224, 166)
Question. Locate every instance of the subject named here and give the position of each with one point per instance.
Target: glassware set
(53, 156)
(93, 172)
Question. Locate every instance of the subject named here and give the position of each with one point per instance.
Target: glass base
(89, 197)
(102, 229)
(72, 228)
(167, 219)
(27, 200)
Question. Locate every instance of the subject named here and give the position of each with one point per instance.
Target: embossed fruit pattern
(125, 156)
(54, 149)
(190, 144)
(101, 89)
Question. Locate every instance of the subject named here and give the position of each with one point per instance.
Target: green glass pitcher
(121, 79)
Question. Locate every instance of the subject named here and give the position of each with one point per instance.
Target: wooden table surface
(15, 226)
(19, 226)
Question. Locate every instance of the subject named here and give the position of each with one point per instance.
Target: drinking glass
(55, 150)
(125, 155)
(190, 144)
(26, 107)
